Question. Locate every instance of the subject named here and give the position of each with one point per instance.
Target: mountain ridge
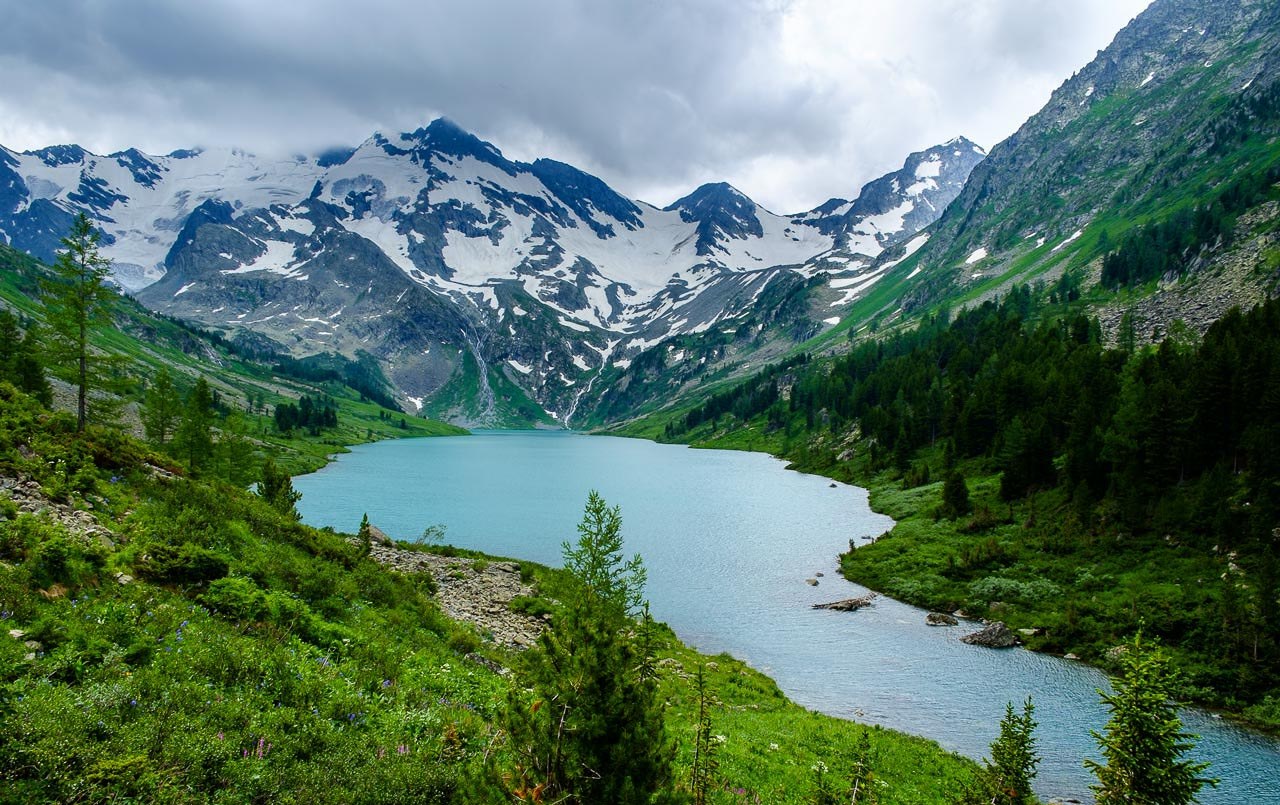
(539, 272)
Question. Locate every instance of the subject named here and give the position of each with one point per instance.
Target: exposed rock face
(30, 499)
(848, 604)
(471, 591)
(993, 635)
(940, 619)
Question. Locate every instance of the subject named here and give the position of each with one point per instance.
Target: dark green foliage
(862, 781)
(1151, 252)
(1006, 778)
(182, 564)
(363, 374)
(1154, 467)
(276, 488)
(955, 496)
(311, 415)
(162, 409)
(18, 362)
(1143, 744)
(193, 440)
(591, 730)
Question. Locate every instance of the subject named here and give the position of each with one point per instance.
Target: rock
(960, 613)
(940, 619)
(124, 578)
(497, 667)
(1070, 656)
(833, 486)
(379, 537)
(17, 634)
(34, 645)
(993, 635)
(848, 604)
(811, 582)
(818, 575)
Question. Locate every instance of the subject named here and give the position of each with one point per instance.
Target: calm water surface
(729, 539)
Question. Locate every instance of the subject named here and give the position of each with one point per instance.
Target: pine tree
(1143, 743)
(591, 730)
(77, 301)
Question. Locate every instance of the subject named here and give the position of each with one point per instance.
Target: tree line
(1174, 439)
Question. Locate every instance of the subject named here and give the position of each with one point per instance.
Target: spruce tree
(276, 487)
(955, 496)
(591, 729)
(1143, 743)
(76, 302)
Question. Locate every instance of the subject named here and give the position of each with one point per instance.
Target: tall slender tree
(163, 408)
(77, 300)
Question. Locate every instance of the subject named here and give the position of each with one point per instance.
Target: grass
(215, 650)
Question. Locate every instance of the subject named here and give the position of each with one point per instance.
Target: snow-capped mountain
(425, 247)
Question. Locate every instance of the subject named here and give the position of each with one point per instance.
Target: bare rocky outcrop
(27, 495)
(478, 592)
(993, 635)
(941, 619)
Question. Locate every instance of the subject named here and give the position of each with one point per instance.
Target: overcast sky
(791, 101)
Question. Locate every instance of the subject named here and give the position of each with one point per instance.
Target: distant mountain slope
(1181, 104)
(436, 253)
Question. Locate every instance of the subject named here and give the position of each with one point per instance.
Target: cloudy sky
(792, 101)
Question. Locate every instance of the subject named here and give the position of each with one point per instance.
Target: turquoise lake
(729, 540)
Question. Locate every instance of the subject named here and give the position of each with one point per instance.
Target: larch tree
(77, 300)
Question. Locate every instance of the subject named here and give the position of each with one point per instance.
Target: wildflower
(773, 747)
(402, 750)
(220, 736)
(386, 683)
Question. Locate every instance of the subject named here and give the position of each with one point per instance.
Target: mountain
(491, 290)
(1174, 115)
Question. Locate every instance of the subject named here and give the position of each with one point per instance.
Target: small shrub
(184, 564)
(235, 598)
(530, 605)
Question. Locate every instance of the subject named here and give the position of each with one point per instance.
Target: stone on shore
(941, 619)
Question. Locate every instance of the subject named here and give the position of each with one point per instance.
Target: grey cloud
(653, 96)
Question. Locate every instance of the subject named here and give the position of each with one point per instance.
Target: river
(728, 540)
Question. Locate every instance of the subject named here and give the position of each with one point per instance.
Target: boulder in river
(993, 635)
(848, 604)
(940, 619)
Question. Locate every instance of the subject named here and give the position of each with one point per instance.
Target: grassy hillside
(251, 380)
(180, 640)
